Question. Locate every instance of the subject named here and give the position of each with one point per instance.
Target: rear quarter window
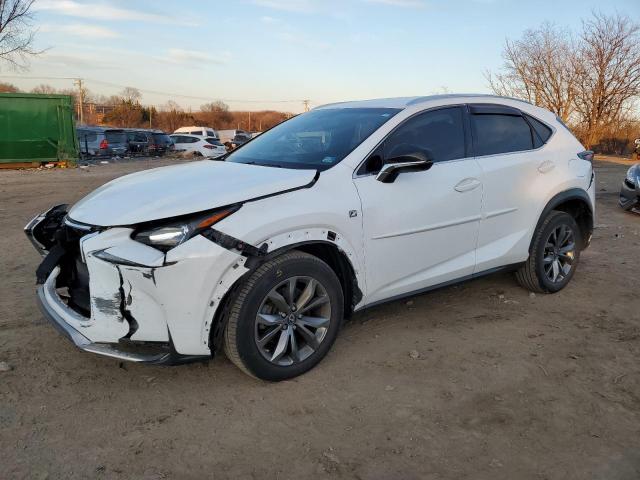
(542, 130)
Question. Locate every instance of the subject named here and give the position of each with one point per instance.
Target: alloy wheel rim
(559, 253)
(292, 321)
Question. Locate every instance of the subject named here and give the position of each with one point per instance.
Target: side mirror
(413, 162)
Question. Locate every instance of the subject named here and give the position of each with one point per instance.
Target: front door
(421, 230)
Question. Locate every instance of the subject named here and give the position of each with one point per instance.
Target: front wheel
(284, 317)
(554, 255)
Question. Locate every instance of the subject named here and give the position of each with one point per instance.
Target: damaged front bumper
(62, 318)
(141, 304)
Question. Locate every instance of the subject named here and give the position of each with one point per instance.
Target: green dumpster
(37, 128)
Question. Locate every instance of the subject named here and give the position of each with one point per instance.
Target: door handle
(546, 166)
(467, 185)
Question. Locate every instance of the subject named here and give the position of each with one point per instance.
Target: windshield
(315, 140)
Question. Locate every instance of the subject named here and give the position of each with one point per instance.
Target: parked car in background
(199, 131)
(265, 254)
(206, 147)
(227, 136)
(137, 142)
(159, 143)
(240, 139)
(101, 141)
(630, 190)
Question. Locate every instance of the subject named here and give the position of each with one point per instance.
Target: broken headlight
(167, 235)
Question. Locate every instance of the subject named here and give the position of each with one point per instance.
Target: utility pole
(78, 82)
(306, 105)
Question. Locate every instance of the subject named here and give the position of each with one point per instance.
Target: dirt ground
(505, 385)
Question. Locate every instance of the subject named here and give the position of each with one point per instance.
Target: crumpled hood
(182, 189)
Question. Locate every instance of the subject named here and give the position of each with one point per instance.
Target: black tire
(531, 275)
(240, 334)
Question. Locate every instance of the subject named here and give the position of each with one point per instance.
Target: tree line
(126, 110)
(590, 78)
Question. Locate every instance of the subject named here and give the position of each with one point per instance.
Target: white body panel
(413, 239)
(458, 218)
(181, 189)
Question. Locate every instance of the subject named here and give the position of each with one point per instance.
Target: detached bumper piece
(162, 354)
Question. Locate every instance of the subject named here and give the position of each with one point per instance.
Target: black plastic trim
(466, 278)
(560, 198)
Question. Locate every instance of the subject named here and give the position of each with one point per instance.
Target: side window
(437, 133)
(542, 131)
(498, 133)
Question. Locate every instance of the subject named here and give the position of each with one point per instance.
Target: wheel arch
(575, 202)
(327, 251)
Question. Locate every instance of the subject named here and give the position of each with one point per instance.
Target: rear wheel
(285, 317)
(554, 254)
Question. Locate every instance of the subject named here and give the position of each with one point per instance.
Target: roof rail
(464, 95)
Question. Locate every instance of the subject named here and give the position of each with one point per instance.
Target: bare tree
(130, 94)
(8, 88)
(216, 114)
(172, 116)
(217, 106)
(16, 32)
(43, 88)
(608, 65)
(540, 68)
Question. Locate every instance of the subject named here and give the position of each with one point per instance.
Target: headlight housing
(169, 234)
(633, 173)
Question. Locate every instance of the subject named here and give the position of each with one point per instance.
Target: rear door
(515, 172)
(421, 229)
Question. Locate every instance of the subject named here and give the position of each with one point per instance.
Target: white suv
(335, 210)
(205, 147)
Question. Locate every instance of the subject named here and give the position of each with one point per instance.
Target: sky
(273, 54)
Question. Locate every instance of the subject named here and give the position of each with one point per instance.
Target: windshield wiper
(263, 164)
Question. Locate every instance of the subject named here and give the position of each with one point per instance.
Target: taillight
(104, 144)
(208, 146)
(586, 155)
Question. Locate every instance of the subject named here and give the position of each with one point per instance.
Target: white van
(200, 131)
